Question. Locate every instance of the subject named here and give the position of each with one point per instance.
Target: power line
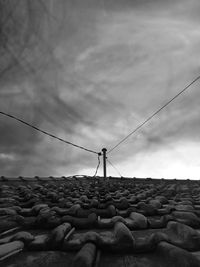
(98, 164)
(44, 132)
(114, 167)
(154, 114)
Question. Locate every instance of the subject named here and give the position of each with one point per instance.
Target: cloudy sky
(90, 71)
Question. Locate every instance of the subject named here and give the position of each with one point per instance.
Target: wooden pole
(104, 162)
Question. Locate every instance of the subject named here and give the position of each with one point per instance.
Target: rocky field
(96, 222)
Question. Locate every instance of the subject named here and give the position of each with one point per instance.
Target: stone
(183, 236)
(29, 222)
(156, 223)
(124, 238)
(86, 256)
(188, 218)
(10, 248)
(26, 212)
(174, 256)
(139, 220)
(7, 224)
(36, 209)
(133, 199)
(116, 219)
(162, 199)
(7, 211)
(111, 209)
(81, 223)
(39, 243)
(94, 203)
(122, 204)
(149, 243)
(155, 203)
(182, 207)
(53, 221)
(57, 235)
(25, 237)
(73, 209)
(147, 209)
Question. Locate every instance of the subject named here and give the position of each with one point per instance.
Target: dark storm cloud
(39, 44)
(90, 71)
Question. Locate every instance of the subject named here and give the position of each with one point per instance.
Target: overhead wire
(154, 114)
(114, 167)
(38, 129)
(89, 150)
(47, 133)
(98, 164)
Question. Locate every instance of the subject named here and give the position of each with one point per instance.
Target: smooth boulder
(57, 236)
(139, 220)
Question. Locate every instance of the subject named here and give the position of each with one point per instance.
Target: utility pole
(104, 162)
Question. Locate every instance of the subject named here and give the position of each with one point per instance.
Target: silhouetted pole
(104, 162)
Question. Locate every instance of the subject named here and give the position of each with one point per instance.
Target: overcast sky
(90, 72)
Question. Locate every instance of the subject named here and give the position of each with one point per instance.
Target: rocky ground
(93, 222)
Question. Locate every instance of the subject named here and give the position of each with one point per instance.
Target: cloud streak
(90, 72)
